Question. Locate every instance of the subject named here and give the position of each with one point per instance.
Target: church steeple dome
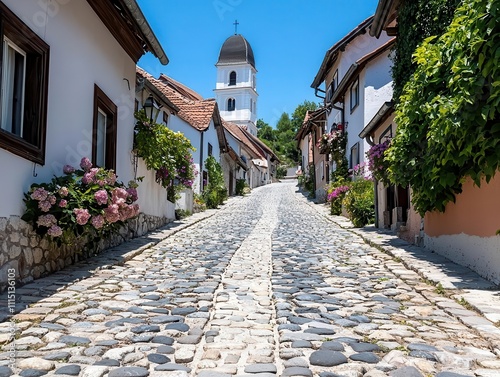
(236, 50)
(235, 90)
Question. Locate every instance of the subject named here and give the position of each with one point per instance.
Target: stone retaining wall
(22, 250)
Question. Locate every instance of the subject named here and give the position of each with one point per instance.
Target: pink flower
(82, 215)
(44, 205)
(98, 221)
(119, 196)
(132, 192)
(46, 220)
(39, 194)
(111, 180)
(54, 231)
(68, 169)
(126, 212)
(85, 164)
(63, 203)
(63, 191)
(136, 209)
(111, 213)
(52, 199)
(101, 197)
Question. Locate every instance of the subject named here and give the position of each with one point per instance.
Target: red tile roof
(242, 136)
(197, 112)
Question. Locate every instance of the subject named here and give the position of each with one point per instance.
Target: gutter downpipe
(201, 162)
(371, 143)
(375, 184)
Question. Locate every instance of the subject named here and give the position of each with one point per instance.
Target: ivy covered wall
(417, 20)
(448, 113)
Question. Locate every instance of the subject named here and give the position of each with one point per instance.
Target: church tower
(235, 91)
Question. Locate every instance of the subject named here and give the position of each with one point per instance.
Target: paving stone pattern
(266, 286)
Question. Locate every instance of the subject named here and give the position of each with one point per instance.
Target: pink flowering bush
(334, 143)
(166, 152)
(336, 194)
(86, 202)
(376, 162)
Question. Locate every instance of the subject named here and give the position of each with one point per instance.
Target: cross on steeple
(236, 23)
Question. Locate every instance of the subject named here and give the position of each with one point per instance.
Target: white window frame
(7, 101)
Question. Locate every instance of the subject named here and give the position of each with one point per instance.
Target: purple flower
(39, 194)
(63, 203)
(85, 164)
(98, 221)
(68, 169)
(82, 216)
(46, 220)
(54, 231)
(132, 192)
(44, 205)
(101, 197)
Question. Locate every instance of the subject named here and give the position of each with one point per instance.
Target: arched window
(231, 104)
(232, 78)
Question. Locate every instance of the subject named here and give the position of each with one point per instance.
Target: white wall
(244, 74)
(478, 253)
(153, 197)
(82, 52)
(244, 94)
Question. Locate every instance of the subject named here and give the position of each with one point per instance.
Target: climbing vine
(166, 152)
(449, 112)
(417, 20)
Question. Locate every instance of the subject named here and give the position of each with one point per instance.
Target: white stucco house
(68, 79)
(261, 162)
(355, 81)
(198, 119)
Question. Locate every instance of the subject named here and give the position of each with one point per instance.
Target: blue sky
(289, 39)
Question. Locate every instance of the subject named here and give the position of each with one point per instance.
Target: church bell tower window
(232, 78)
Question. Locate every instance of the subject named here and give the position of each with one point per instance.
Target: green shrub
(181, 214)
(281, 171)
(359, 202)
(240, 186)
(199, 204)
(215, 192)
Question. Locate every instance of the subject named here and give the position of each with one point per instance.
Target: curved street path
(265, 286)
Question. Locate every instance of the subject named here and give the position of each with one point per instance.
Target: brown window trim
(356, 95)
(103, 102)
(25, 38)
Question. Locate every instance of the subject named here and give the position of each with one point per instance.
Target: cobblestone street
(265, 286)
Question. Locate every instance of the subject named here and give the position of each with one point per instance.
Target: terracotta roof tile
(242, 136)
(197, 112)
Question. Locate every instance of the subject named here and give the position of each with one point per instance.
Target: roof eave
(384, 9)
(332, 53)
(382, 114)
(150, 37)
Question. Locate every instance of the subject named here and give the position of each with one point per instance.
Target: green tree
(266, 133)
(300, 113)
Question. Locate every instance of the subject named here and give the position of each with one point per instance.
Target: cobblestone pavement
(265, 286)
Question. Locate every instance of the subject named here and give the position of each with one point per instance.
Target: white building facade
(236, 87)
